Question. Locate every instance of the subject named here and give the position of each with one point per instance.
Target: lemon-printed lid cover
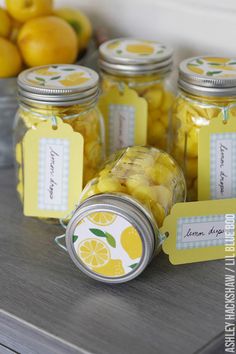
(134, 51)
(57, 81)
(107, 244)
(209, 71)
(111, 237)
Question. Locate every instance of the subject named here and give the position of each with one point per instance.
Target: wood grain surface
(168, 309)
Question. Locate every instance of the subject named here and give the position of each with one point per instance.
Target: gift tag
(217, 160)
(125, 115)
(53, 169)
(200, 231)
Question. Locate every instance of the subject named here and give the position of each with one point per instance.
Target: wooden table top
(49, 306)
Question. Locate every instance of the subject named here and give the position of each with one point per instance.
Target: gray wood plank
(27, 339)
(168, 309)
(5, 350)
(214, 346)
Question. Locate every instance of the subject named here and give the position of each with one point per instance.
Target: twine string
(224, 109)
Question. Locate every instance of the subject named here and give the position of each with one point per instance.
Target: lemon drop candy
(109, 184)
(147, 174)
(57, 94)
(124, 207)
(143, 66)
(134, 181)
(207, 89)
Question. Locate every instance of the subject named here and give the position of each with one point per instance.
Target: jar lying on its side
(145, 67)
(69, 92)
(207, 90)
(114, 233)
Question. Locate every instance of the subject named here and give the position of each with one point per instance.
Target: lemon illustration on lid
(131, 242)
(113, 268)
(217, 60)
(46, 72)
(144, 49)
(113, 45)
(215, 67)
(74, 79)
(102, 218)
(195, 69)
(93, 252)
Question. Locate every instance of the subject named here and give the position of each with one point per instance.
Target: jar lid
(58, 84)
(133, 57)
(210, 76)
(111, 237)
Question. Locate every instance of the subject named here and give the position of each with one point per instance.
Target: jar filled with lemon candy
(68, 93)
(145, 67)
(114, 232)
(207, 90)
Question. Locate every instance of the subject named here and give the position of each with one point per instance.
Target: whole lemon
(15, 29)
(47, 40)
(10, 59)
(5, 23)
(80, 23)
(24, 10)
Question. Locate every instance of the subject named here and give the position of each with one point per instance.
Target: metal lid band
(134, 57)
(208, 76)
(58, 85)
(127, 208)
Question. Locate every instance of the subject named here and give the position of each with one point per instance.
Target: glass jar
(145, 67)
(207, 90)
(68, 92)
(114, 233)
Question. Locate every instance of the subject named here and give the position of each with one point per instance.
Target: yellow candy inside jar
(87, 122)
(156, 91)
(147, 174)
(190, 114)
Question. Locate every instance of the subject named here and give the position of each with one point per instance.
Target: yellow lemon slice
(140, 49)
(102, 218)
(74, 79)
(195, 69)
(131, 242)
(113, 268)
(94, 253)
(217, 60)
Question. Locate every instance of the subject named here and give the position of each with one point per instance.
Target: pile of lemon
(33, 33)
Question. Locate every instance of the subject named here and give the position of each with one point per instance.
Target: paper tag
(197, 230)
(125, 115)
(53, 170)
(217, 160)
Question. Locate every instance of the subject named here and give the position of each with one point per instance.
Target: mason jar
(68, 92)
(207, 90)
(145, 67)
(114, 232)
